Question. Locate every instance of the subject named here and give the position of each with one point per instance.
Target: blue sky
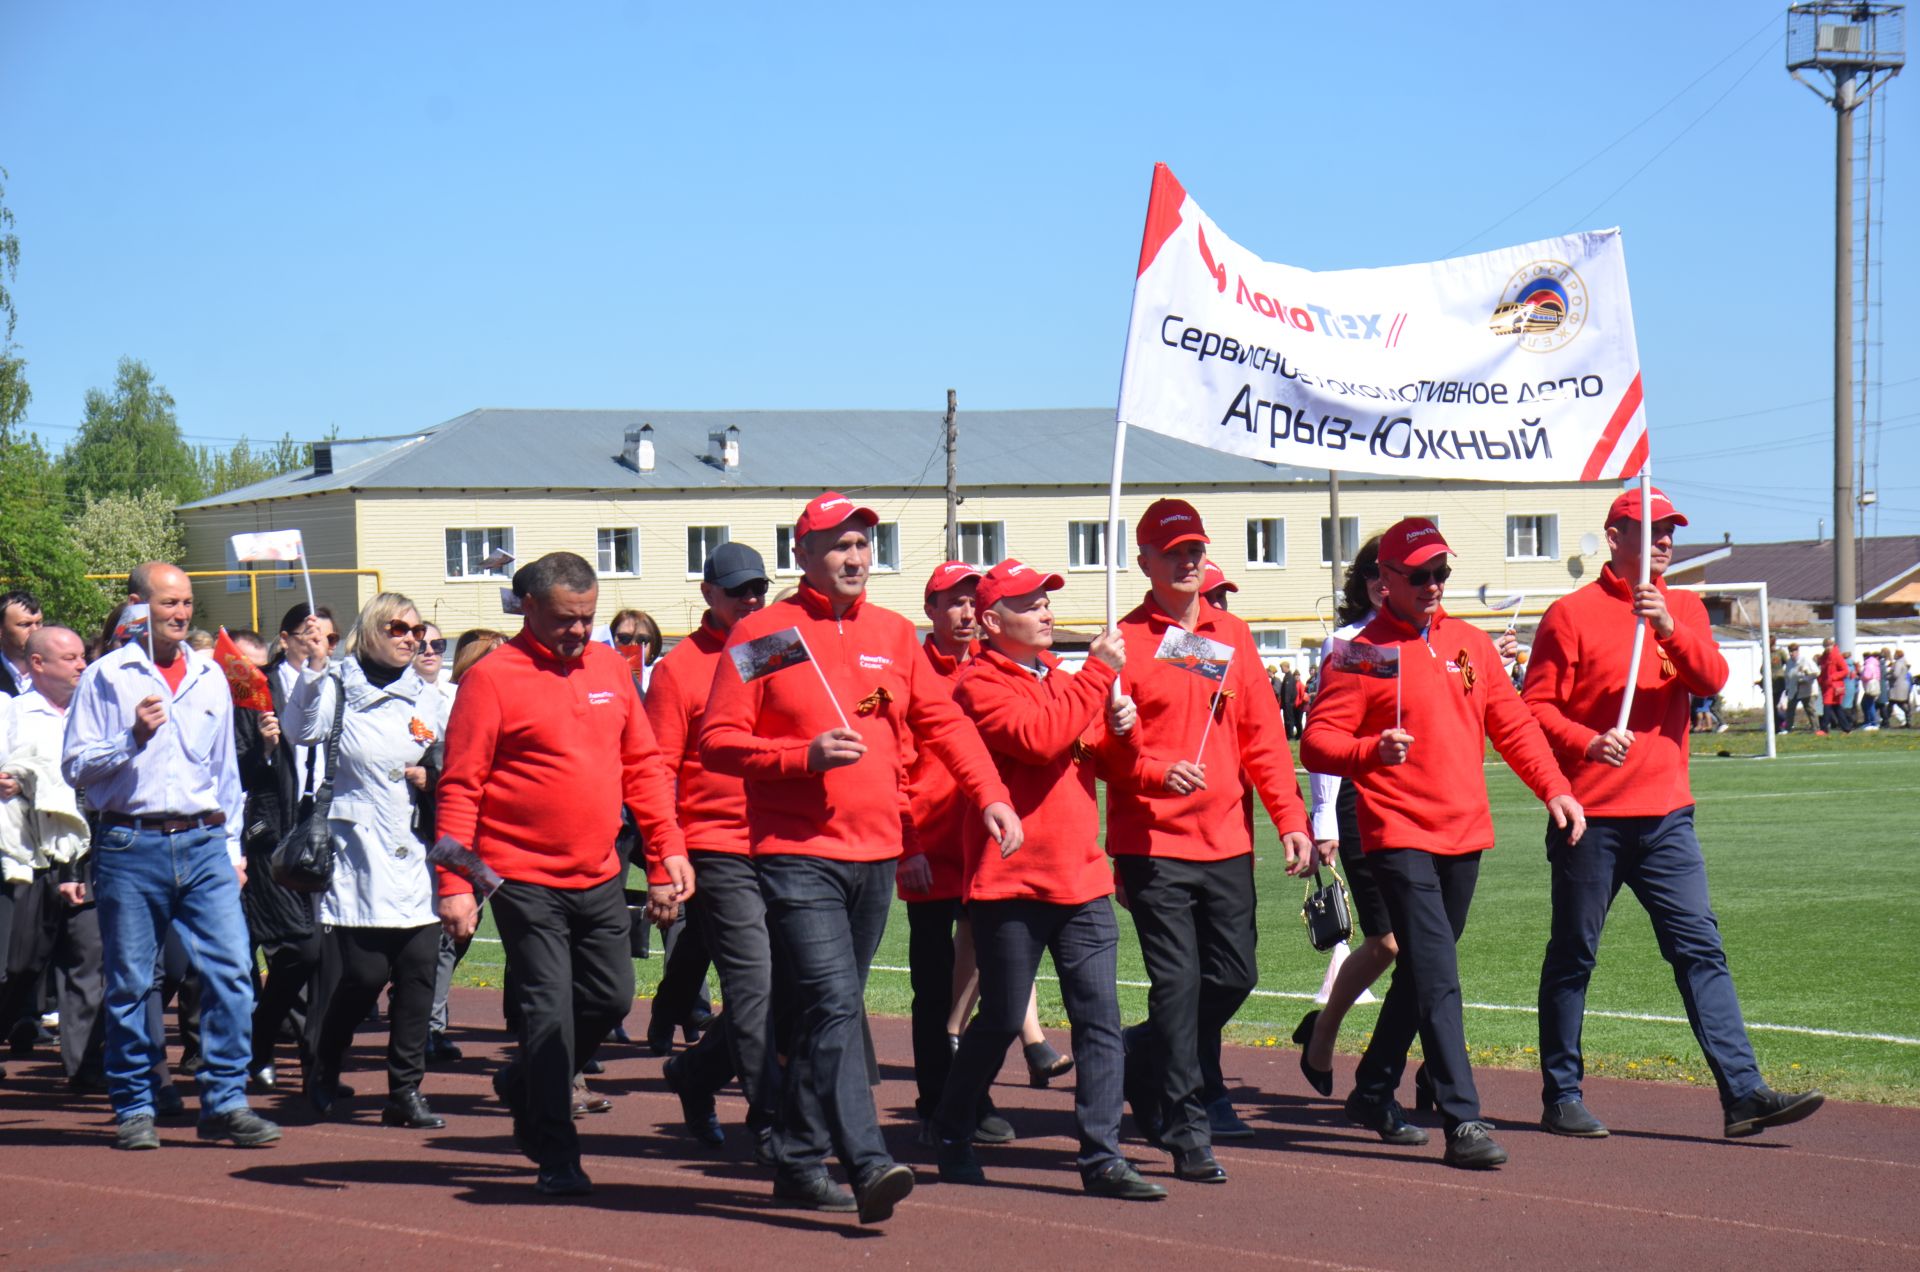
(377, 217)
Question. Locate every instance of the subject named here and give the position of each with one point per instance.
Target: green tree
(14, 393)
(36, 548)
(116, 532)
(243, 465)
(130, 442)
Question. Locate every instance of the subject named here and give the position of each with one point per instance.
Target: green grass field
(1812, 859)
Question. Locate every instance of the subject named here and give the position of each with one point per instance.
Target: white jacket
(380, 873)
(41, 826)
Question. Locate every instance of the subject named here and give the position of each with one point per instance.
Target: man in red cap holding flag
(1632, 782)
(1178, 831)
(821, 752)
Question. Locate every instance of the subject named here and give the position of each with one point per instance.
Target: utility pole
(953, 479)
(1858, 46)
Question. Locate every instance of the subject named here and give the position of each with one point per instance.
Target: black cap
(732, 564)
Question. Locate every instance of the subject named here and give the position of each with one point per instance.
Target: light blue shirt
(187, 768)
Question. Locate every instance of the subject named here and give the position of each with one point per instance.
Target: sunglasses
(397, 629)
(333, 639)
(626, 638)
(1422, 577)
(752, 587)
(434, 646)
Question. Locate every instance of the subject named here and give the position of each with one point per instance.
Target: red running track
(1309, 1191)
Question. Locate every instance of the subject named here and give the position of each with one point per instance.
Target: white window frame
(783, 564)
(890, 532)
(998, 530)
(1271, 642)
(726, 536)
(603, 552)
(1547, 544)
(487, 545)
(1326, 540)
(1277, 538)
(1095, 533)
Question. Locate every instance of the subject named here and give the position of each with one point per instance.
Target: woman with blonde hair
(377, 913)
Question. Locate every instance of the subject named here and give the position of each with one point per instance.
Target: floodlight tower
(1857, 48)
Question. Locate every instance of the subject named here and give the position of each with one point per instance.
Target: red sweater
(1437, 801)
(1578, 673)
(1248, 742)
(1035, 727)
(713, 806)
(541, 754)
(940, 812)
(761, 731)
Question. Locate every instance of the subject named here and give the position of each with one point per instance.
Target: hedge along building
(645, 496)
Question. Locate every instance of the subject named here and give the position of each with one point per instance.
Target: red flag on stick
(246, 682)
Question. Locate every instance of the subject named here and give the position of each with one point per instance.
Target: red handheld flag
(246, 682)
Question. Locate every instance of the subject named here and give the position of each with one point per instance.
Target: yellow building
(645, 495)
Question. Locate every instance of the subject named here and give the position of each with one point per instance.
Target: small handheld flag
(1196, 653)
(509, 603)
(1380, 662)
(454, 857)
(136, 623)
(246, 682)
(778, 651)
(275, 545)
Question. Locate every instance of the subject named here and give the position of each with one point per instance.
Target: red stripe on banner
(1610, 436)
(1163, 213)
(1637, 457)
(1399, 325)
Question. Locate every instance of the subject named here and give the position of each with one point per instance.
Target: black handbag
(1328, 918)
(303, 860)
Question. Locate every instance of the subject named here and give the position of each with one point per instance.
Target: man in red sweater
(727, 912)
(1043, 726)
(1412, 745)
(1633, 784)
(1178, 830)
(821, 752)
(546, 742)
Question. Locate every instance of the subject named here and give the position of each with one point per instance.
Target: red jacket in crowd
(542, 751)
(760, 731)
(1454, 695)
(1578, 673)
(1248, 741)
(713, 806)
(1044, 731)
(1833, 676)
(940, 812)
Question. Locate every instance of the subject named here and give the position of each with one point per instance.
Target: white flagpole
(1113, 535)
(306, 574)
(1213, 702)
(1646, 576)
(820, 672)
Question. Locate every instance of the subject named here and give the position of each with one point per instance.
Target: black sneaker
(958, 1165)
(1767, 1107)
(563, 1180)
(136, 1133)
(1570, 1117)
(1386, 1119)
(882, 1190)
(1471, 1147)
(816, 1192)
(993, 1129)
(1120, 1181)
(243, 1127)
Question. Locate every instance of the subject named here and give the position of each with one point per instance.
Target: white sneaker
(1872, 728)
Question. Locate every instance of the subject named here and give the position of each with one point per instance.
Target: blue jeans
(826, 918)
(1659, 858)
(147, 882)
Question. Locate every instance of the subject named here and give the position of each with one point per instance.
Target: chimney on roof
(637, 454)
(1726, 537)
(323, 459)
(723, 449)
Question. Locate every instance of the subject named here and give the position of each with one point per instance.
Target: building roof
(497, 449)
(1798, 569)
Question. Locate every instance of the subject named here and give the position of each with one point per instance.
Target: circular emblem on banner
(1544, 306)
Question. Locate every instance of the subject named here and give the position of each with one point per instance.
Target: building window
(1270, 641)
(469, 550)
(1535, 537)
(983, 544)
(1349, 539)
(620, 551)
(1087, 545)
(783, 562)
(885, 539)
(1267, 542)
(700, 541)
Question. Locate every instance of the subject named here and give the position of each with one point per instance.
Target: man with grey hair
(150, 741)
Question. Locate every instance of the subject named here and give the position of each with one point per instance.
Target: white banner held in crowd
(276, 545)
(1517, 365)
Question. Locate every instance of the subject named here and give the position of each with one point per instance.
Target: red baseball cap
(1011, 578)
(951, 574)
(1169, 522)
(828, 509)
(1627, 507)
(1212, 576)
(1412, 541)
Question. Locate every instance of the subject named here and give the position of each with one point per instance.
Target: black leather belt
(166, 823)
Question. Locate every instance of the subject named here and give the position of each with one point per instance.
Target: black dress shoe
(696, 1107)
(882, 1190)
(1767, 1107)
(1385, 1119)
(1570, 1117)
(513, 1095)
(563, 1180)
(763, 1147)
(1470, 1146)
(1320, 1080)
(957, 1163)
(323, 1094)
(409, 1109)
(440, 1050)
(816, 1192)
(261, 1080)
(1122, 1182)
(1137, 1083)
(1225, 1124)
(993, 1129)
(1424, 1098)
(1044, 1063)
(1197, 1166)
(659, 1038)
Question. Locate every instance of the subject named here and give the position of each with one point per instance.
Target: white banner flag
(1513, 365)
(269, 545)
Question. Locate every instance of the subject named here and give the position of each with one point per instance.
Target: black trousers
(730, 916)
(570, 979)
(282, 998)
(360, 963)
(683, 982)
(1008, 938)
(40, 933)
(1195, 920)
(1427, 897)
(930, 963)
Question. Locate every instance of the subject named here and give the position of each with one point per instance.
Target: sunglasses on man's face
(435, 647)
(752, 587)
(1428, 574)
(397, 629)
